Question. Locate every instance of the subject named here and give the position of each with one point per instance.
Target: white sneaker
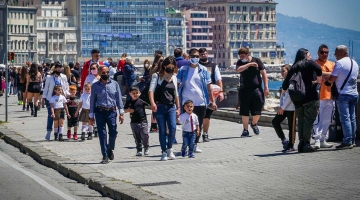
(139, 153)
(317, 144)
(170, 154)
(197, 149)
(146, 152)
(324, 144)
(164, 156)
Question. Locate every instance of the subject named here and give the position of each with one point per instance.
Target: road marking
(36, 178)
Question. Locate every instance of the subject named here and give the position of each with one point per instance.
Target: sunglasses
(194, 56)
(324, 52)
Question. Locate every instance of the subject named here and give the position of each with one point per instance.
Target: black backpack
(297, 89)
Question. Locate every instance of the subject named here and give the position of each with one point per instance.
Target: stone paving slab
(230, 167)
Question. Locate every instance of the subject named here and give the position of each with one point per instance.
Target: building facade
(62, 30)
(21, 38)
(248, 23)
(137, 27)
(176, 30)
(199, 31)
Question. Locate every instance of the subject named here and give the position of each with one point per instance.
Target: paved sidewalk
(230, 167)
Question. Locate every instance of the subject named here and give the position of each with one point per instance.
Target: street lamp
(217, 49)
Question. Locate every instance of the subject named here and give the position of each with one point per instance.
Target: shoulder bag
(334, 91)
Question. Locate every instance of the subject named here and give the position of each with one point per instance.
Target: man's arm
(244, 67)
(92, 101)
(119, 102)
(265, 80)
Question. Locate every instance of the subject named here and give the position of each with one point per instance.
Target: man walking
(252, 71)
(345, 75)
(105, 97)
(180, 61)
(194, 84)
(215, 79)
(322, 123)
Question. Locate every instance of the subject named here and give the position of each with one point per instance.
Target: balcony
(71, 40)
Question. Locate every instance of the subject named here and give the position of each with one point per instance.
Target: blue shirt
(107, 96)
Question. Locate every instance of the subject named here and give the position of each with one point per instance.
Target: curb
(107, 186)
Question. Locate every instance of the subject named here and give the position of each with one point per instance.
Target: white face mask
(244, 60)
(146, 65)
(194, 61)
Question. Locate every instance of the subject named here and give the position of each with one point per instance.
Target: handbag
(334, 91)
(144, 96)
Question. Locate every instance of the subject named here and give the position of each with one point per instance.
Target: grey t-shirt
(341, 71)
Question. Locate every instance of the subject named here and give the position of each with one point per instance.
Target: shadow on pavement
(226, 138)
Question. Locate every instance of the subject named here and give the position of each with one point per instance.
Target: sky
(336, 13)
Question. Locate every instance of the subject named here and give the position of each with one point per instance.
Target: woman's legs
(30, 97)
(24, 96)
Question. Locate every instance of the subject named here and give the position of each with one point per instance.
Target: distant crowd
(183, 90)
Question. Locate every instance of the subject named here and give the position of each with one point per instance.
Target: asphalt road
(21, 177)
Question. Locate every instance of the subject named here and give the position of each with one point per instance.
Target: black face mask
(57, 73)
(104, 77)
(169, 70)
(203, 59)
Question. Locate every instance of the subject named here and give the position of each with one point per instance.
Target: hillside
(297, 32)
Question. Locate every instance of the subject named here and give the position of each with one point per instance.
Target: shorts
(208, 113)
(21, 88)
(59, 113)
(84, 115)
(73, 122)
(34, 87)
(251, 101)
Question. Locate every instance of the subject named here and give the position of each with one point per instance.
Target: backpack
(297, 89)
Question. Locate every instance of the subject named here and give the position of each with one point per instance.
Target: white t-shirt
(186, 122)
(193, 88)
(85, 100)
(341, 71)
(58, 101)
(91, 79)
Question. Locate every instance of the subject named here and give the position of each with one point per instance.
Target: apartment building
(62, 33)
(248, 23)
(199, 31)
(21, 39)
(176, 30)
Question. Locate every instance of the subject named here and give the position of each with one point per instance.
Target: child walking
(58, 104)
(286, 110)
(72, 103)
(190, 127)
(139, 124)
(84, 105)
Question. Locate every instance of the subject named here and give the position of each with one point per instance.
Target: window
(259, 17)
(245, 27)
(267, 27)
(252, 17)
(266, 17)
(244, 8)
(238, 8)
(50, 24)
(231, 8)
(264, 54)
(238, 36)
(252, 36)
(31, 16)
(244, 18)
(252, 27)
(260, 27)
(260, 36)
(31, 29)
(238, 27)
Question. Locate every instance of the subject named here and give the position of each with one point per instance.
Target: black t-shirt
(139, 114)
(309, 71)
(250, 77)
(76, 74)
(72, 105)
(166, 93)
(212, 66)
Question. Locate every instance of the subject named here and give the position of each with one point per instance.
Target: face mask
(194, 61)
(95, 61)
(169, 70)
(57, 73)
(146, 65)
(244, 60)
(203, 59)
(104, 77)
(94, 72)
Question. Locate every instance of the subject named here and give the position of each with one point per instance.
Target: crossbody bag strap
(347, 78)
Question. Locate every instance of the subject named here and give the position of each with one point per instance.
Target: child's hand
(53, 115)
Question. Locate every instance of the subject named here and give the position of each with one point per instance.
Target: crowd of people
(183, 90)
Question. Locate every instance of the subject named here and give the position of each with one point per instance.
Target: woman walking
(33, 87)
(145, 78)
(165, 104)
(22, 86)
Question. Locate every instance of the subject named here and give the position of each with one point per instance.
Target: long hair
(300, 58)
(124, 55)
(40, 69)
(23, 74)
(33, 71)
(67, 71)
(169, 60)
(157, 66)
(146, 62)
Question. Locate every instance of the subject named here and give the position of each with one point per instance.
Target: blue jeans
(50, 120)
(346, 107)
(188, 140)
(166, 114)
(103, 118)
